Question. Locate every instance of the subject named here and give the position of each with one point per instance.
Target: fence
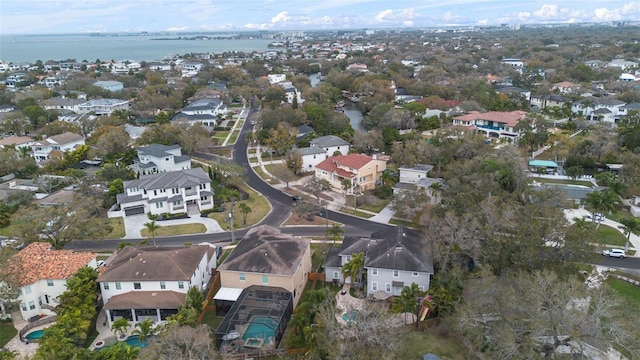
(313, 276)
(35, 324)
(215, 284)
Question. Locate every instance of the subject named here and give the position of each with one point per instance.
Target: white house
(158, 158)
(276, 78)
(394, 258)
(63, 142)
(320, 149)
(606, 109)
(184, 191)
(16, 142)
(103, 106)
(203, 111)
(414, 178)
(43, 275)
(152, 282)
(63, 104)
(493, 124)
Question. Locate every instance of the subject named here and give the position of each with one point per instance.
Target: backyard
(7, 332)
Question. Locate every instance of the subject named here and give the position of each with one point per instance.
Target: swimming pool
(133, 340)
(350, 316)
(261, 327)
(34, 335)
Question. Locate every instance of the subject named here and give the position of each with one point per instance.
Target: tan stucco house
(267, 257)
(362, 171)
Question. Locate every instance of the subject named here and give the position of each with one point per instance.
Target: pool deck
(345, 302)
(23, 348)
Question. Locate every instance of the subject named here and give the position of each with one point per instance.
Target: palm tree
(120, 326)
(600, 201)
(244, 210)
(152, 227)
(629, 226)
(144, 330)
(352, 268)
(336, 232)
(408, 300)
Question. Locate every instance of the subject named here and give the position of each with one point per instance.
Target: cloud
(604, 14)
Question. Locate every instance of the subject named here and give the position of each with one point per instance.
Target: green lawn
(221, 134)
(417, 343)
(172, 230)
(233, 137)
(212, 320)
(349, 210)
(629, 292)
(7, 332)
(611, 236)
(117, 228)
(406, 223)
(378, 206)
(259, 206)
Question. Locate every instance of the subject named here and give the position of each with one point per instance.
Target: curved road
(281, 209)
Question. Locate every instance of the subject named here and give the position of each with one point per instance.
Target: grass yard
(221, 134)
(611, 236)
(233, 137)
(417, 343)
(264, 176)
(377, 207)
(117, 228)
(259, 206)
(406, 223)
(629, 292)
(349, 210)
(7, 332)
(173, 230)
(212, 320)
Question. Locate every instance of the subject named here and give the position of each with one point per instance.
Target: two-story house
(493, 124)
(63, 104)
(266, 256)
(103, 106)
(414, 178)
(606, 109)
(16, 142)
(62, 142)
(539, 102)
(43, 273)
(203, 111)
(320, 149)
(393, 259)
(184, 191)
(158, 158)
(363, 172)
(152, 282)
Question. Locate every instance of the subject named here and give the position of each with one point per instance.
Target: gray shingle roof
(310, 151)
(328, 141)
(182, 178)
(157, 150)
(264, 249)
(154, 264)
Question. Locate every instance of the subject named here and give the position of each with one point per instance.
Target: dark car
(296, 198)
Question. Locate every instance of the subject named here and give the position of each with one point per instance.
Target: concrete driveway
(135, 223)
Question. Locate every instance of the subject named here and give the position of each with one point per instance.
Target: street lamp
(233, 234)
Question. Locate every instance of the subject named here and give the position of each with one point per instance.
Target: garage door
(134, 210)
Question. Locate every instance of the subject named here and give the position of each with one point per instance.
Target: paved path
(634, 240)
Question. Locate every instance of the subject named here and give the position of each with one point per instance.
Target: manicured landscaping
(627, 291)
(377, 207)
(357, 213)
(611, 236)
(7, 332)
(260, 207)
(173, 230)
(234, 136)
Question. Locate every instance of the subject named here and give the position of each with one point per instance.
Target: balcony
(190, 192)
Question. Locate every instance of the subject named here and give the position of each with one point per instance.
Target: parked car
(597, 216)
(619, 253)
(296, 198)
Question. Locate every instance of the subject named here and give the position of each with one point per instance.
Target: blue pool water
(35, 335)
(262, 327)
(350, 316)
(134, 340)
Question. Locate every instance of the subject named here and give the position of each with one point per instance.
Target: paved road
(281, 203)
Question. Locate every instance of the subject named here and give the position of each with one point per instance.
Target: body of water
(30, 48)
(354, 115)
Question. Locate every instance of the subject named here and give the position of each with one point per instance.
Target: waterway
(80, 47)
(350, 109)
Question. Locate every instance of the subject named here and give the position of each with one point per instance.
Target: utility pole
(233, 232)
(326, 224)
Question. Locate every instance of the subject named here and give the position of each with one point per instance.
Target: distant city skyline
(72, 16)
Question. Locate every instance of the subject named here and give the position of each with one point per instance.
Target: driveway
(135, 223)
(634, 240)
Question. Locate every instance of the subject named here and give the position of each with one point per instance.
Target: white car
(619, 253)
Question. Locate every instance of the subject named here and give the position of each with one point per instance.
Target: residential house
(203, 111)
(565, 87)
(416, 177)
(62, 142)
(393, 259)
(63, 104)
(539, 102)
(320, 149)
(276, 78)
(16, 142)
(51, 82)
(158, 158)
(190, 69)
(152, 282)
(515, 63)
(493, 124)
(606, 108)
(110, 85)
(363, 172)
(514, 92)
(172, 192)
(622, 64)
(103, 106)
(43, 276)
(265, 256)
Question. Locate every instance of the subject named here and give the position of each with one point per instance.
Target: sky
(77, 16)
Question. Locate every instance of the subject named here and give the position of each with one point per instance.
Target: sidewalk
(134, 224)
(634, 240)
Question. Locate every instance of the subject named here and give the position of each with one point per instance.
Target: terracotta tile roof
(510, 118)
(39, 262)
(355, 161)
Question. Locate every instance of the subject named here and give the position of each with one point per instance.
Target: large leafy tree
(353, 269)
(316, 186)
(281, 139)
